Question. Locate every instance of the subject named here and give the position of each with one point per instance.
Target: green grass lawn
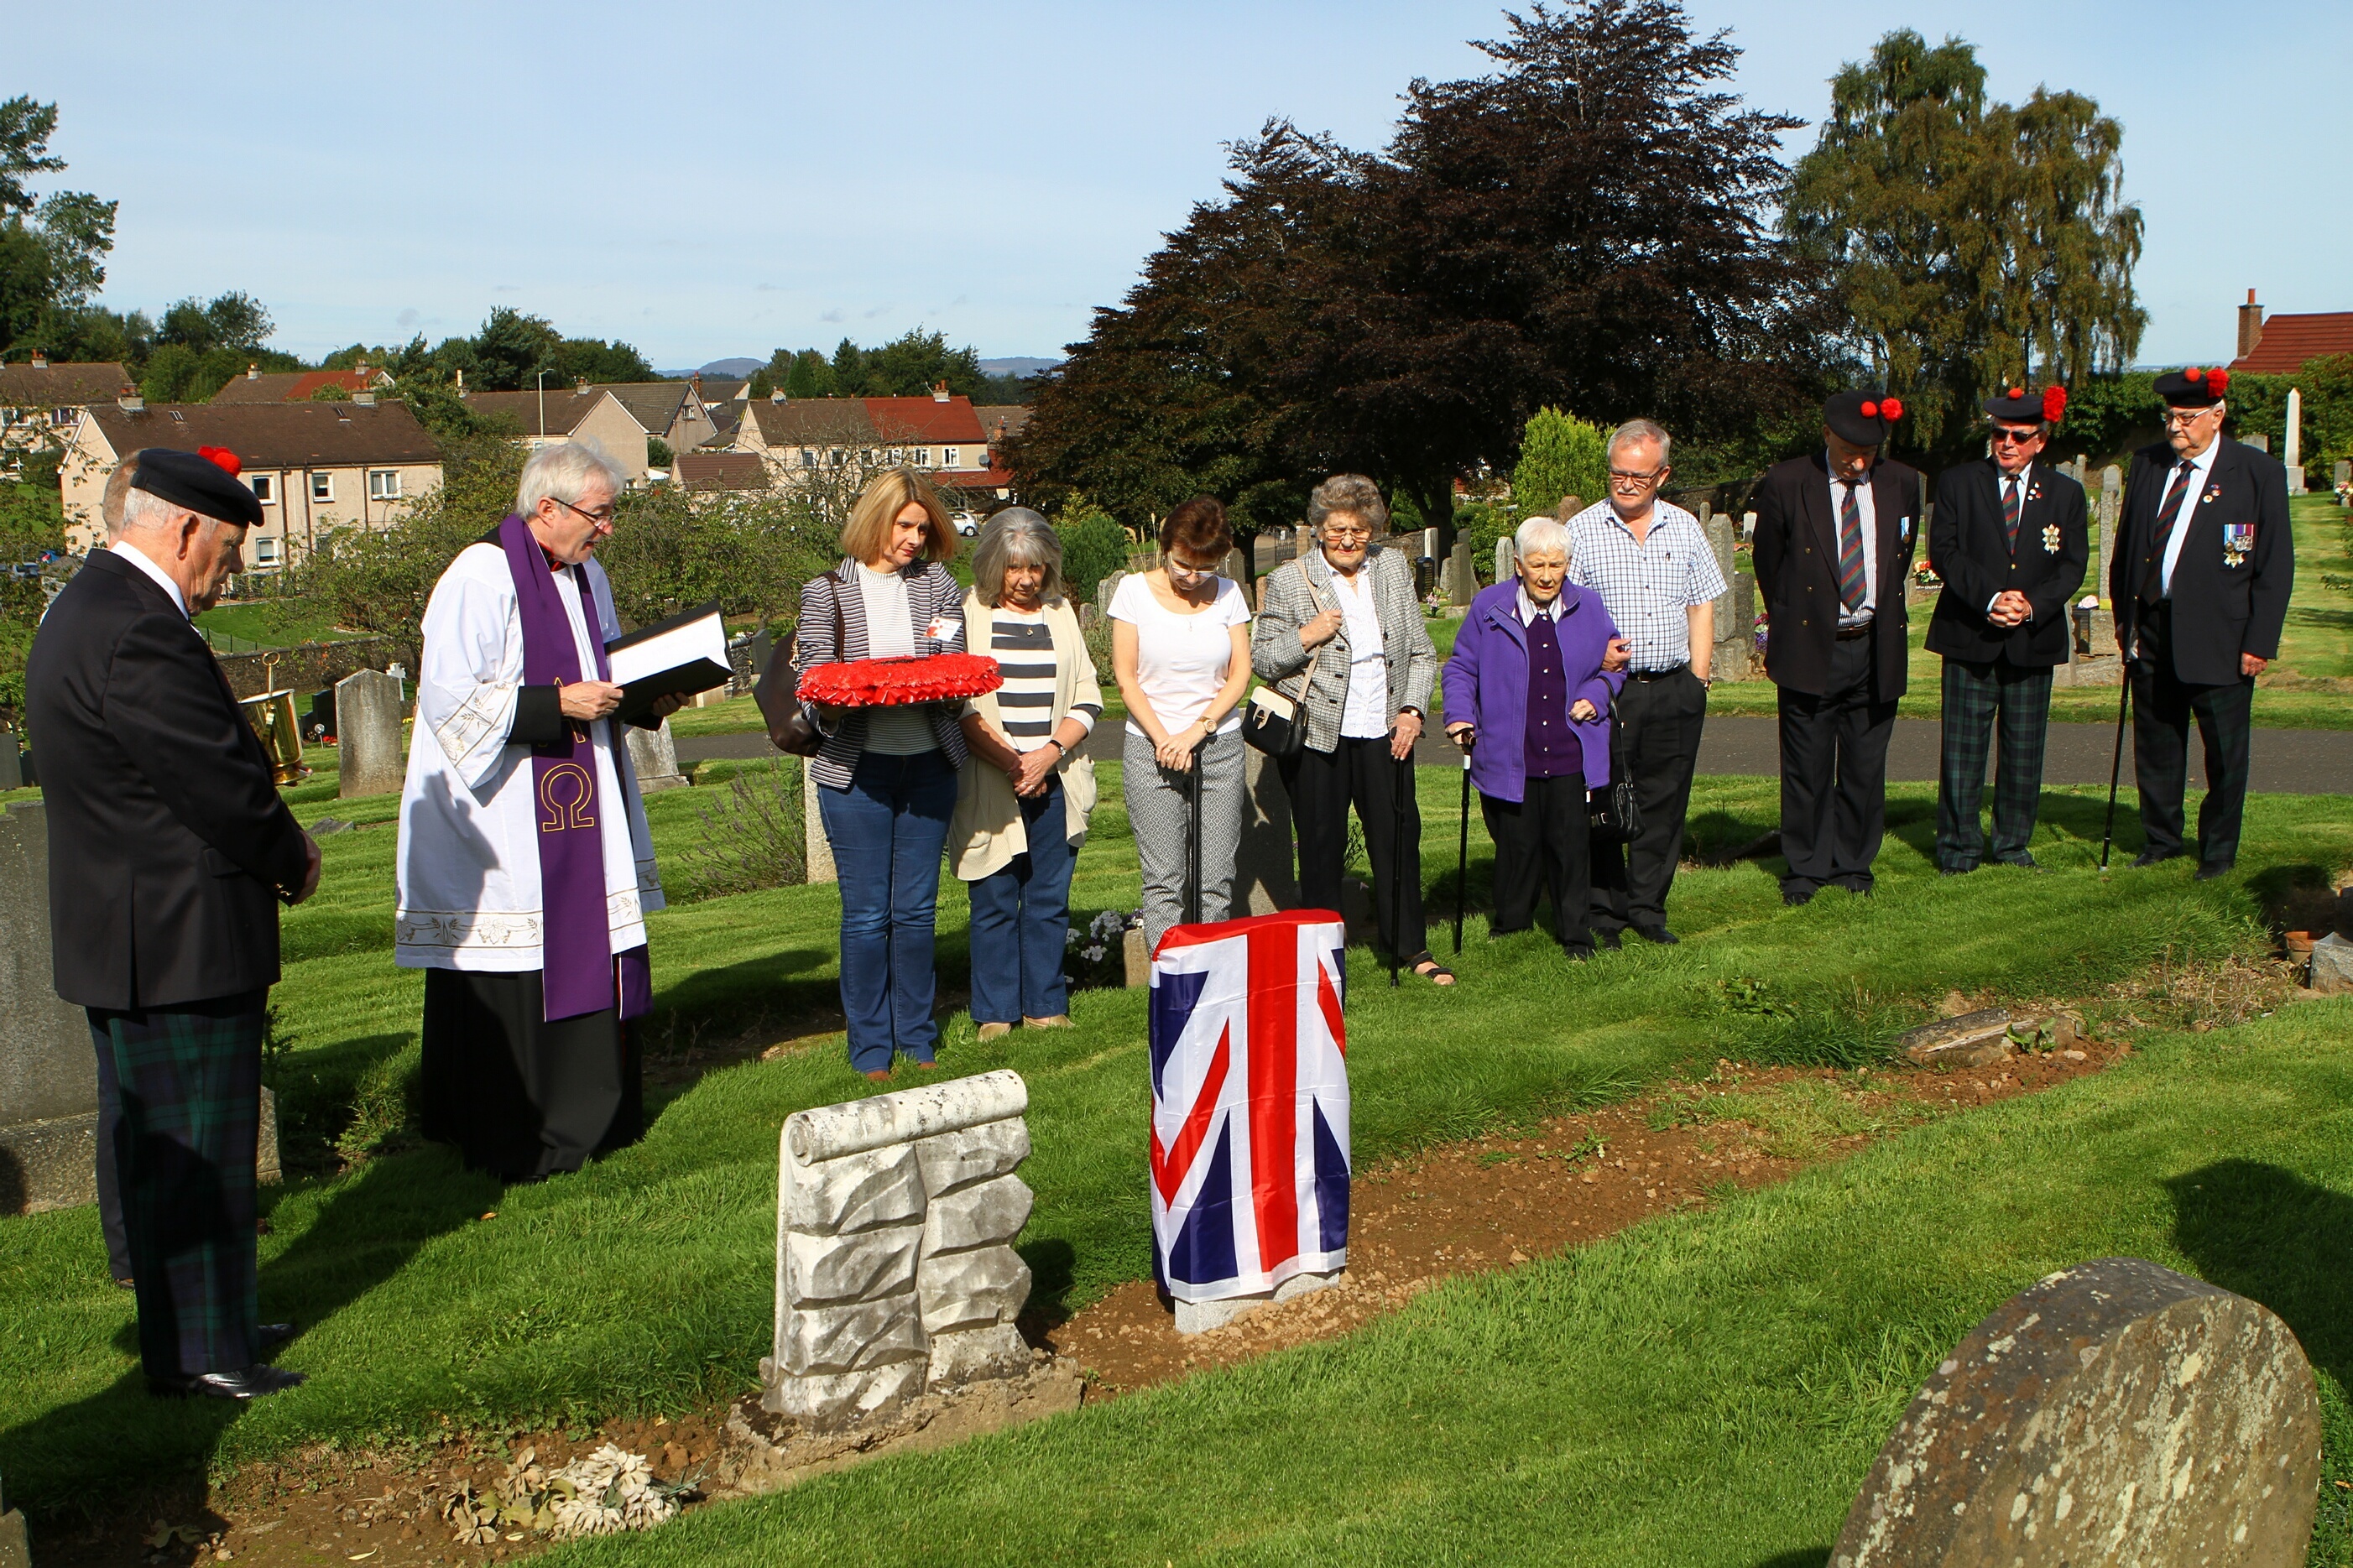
(275, 622)
(1705, 1389)
(644, 1283)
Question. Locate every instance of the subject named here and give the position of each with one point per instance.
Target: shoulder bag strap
(1307, 677)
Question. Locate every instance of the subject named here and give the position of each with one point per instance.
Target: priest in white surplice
(526, 868)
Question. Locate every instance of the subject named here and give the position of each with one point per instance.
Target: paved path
(2286, 762)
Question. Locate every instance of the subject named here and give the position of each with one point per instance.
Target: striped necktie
(2010, 506)
(2169, 517)
(1853, 581)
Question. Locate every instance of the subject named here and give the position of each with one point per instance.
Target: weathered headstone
(2332, 966)
(12, 762)
(1236, 565)
(2261, 441)
(367, 735)
(2115, 1411)
(895, 1269)
(1302, 542)
(1462, 581)
(2112, 502)
(1429, 544)
(2293, 457)
(1569, 507)
(48, 1074)
(1106, 588)
(1727, 659)
(1090, 617)
(1506, 559)
(653, 756)
(1265, 880)
(1967, 1039)
(2341, 474)
(817, 850)
(1135, 959)
(1747, 525)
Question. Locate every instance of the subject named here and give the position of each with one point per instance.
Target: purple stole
(576, 943)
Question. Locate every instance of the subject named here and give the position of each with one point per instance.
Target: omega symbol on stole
(567, 791)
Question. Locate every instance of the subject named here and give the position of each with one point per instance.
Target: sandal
(1429, 969)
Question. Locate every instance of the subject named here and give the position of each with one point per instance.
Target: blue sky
(723, 180)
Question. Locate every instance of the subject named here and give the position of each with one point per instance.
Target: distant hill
(1017, 366)
(720, 370)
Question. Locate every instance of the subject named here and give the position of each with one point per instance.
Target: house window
(384, 484)
(264, 552)
(63, 415)
(947, 457)
(808, 458)
(841, 455)
(263, 490)
(323, 487)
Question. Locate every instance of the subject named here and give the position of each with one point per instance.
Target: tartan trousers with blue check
(1974, 694)
(190, 1081)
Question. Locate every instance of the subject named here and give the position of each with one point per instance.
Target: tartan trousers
(190, 1079)
(1974, 694)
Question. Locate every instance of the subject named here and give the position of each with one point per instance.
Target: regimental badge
(2034, 491)
(2238, 542)
(2213, 493)
(1904, 529)
(2051, 539)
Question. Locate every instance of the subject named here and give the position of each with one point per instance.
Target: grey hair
(561, 473)
(1351, 493)
(1635, 431)
(146, 509)
(1541, 534)
(1017, 537)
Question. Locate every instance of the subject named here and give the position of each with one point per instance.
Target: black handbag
(1612, 812)
(1271, 721)
(790, 728)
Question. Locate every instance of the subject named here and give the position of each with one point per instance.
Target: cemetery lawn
(1707, 1388)
(644, 1284)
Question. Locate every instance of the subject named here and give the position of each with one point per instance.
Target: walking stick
(1193, 837)
(2116, 764)
(1462, 858)
(1403, 790)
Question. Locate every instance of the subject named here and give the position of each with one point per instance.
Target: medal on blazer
(2051, 539)
(2238, 541)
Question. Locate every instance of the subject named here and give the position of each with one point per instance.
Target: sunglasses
(2015, 438)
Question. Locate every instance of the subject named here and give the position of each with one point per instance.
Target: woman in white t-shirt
(1180, 649)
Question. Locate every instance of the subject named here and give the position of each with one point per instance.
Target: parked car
(967, 523)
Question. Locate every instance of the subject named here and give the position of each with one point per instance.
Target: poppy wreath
(898, 682)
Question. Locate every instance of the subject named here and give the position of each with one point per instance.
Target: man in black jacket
(2200, 582)
(169, 851)
(1835, 533)
(2011, 544)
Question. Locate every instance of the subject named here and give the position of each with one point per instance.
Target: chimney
(130, 400)
(364, 398)
(252, 371)
(777, 396)
(461, 383)
(40, 359)
(362, 368)
(939, 392)
(2251, 325)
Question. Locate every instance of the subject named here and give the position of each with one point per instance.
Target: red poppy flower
(1890, 410)
(2054, 404)
(895, 682)
(2193, 376)
(2218, 382)
(1870, 409)
(2016, 393)
(223, 458)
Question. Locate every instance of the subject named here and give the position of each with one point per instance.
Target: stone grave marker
(2340, 473)
(2261, 441)
(1264, 878)
(1462, 580)
(1429, 544)
(1728, 660)
(2332, 966)
(12, 762)
(895, 1269)
(2116, 1413)
(1106, 588)
(2112, 502)
(1090, 617)
(48, 1074)
(1506, 559)
(2293, 459)
(368, 711)
(1748, 525)
(817, 848)
(1569, 507)
(1302, 542)
(653, 756)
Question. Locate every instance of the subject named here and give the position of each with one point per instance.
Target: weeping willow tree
(1974, 243)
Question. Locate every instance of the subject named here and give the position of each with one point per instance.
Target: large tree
(1976, 245)
(52, 249)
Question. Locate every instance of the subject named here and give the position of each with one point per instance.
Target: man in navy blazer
(2010, 541)
(2200, 582)
(1835, 533)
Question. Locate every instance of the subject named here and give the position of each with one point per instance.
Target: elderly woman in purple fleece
(1527, 695)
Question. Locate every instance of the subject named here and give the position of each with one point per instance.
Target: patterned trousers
(1157, 812)
(190, 1079)
(1974, 694)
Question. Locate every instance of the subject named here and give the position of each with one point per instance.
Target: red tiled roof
(973, 478)
(296, 385)
(925, 419)
(721, 471)
(2289, 341)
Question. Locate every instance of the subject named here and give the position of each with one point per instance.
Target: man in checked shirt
(1656, 572)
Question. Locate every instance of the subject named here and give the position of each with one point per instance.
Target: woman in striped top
(1023, 793)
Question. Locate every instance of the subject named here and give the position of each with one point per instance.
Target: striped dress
(1023, 645)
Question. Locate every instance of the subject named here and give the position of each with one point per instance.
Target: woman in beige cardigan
(1024, 795)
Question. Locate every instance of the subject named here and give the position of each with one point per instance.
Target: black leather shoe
(1797, 898)
(1609, 939)
(2154, 858)
(267, 1337)
(1658, 935)
(252, 1383)
(2024, 863)
(2214, 869)
(1955, 870)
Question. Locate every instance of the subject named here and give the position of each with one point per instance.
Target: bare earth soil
(1491, 1203)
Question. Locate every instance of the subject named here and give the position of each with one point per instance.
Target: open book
(685, 653)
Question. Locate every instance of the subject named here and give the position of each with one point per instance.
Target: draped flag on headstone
(1249, 1104)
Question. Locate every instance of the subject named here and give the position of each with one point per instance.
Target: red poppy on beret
(2217, 380)
(2193, 376)
(2054, 404)
(222, 458)
(2016, 393)
(1871, 410)
(1890, 410)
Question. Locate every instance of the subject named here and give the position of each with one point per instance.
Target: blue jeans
(889, 830)
(1021, 922)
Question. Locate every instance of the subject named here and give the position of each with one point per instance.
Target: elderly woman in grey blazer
(1341, 634)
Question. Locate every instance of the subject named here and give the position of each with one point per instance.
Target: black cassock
(520, 1096)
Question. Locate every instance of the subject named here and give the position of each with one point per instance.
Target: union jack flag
(1249, 1104)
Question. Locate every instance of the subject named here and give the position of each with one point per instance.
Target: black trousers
(520, 1096)
(1660, 717)
(2163, 705)
(1322, 785)
(110, 1161)
(1834, 773)
(1542, 843)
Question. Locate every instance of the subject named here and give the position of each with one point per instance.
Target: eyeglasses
(2018, 438)
(1634, 481)
(2182, 418)
(1180, 569)
(1341, 535)
(601, 519)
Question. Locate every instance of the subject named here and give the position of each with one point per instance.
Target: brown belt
(1848, 634)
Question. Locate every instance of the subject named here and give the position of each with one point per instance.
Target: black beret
(2018, 405)
(1861, 419)
(2193, 388)
(200, 483)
